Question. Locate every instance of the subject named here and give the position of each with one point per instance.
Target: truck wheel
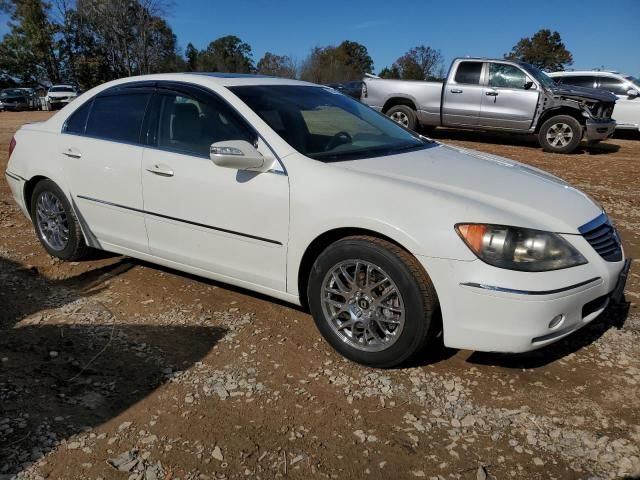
(404, 115)
(372, 301)
(560, 134)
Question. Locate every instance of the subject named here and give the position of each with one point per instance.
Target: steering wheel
(339, 138)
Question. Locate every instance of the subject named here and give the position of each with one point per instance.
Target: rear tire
(404, 115)
(380, 326)
(560, 134)
(56, 223)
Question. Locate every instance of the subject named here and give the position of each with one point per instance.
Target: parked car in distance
(292, 190)
(353, 89)
(33, 100)
(505, 95)
(627, 88)
(13, 99)
(60, 95)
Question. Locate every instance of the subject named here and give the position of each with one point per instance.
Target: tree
(419, 63)
(192, 53)
(348, 61)
(227, 54)
(545, 50)
(29, 51)
(276, 65)
(392, 72)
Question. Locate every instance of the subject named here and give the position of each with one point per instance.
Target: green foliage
(276, 65)
(391, 73)
(226, 54)
(419, 63)
(544, 49)
(348, 61)
(29, 51)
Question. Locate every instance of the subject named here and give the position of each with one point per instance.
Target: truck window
(502, 75)
(469, 73)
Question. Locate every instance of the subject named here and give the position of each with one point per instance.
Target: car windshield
(325, 125)
(10, 92)
(634, 80)
(540, 76)
(61, 89)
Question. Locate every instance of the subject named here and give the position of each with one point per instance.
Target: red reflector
(12, 145)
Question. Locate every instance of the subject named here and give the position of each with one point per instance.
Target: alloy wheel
(363, 305)
(52, 221)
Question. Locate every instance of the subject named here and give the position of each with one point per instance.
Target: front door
(510, 98)
(463, 95)
(101, 150)
(228, 222)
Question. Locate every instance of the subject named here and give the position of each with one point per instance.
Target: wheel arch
(29, 187)
(398, 100)
(562, 110)
(320, 243)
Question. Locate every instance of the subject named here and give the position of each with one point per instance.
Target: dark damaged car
(503, 95)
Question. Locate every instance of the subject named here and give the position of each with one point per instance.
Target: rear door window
(469, 73)
(118, 117)
(78, 120)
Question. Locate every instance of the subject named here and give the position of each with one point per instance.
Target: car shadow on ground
(613, 317)
(63, 372)
(515, 139)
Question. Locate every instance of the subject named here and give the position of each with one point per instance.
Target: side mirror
(632, 93)
(238, 154)
(528, 84)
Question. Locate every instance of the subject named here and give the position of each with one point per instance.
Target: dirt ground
(115, 368)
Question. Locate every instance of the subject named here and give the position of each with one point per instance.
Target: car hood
(583, 93)
(12, 98)
(485, 188)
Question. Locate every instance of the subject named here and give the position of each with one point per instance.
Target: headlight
(518, 248)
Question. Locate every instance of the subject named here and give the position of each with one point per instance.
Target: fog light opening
(556, 321)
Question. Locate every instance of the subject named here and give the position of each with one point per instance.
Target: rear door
(509, 99)
(463, 94)
(101, 150)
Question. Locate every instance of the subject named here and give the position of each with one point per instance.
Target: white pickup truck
(502, 95)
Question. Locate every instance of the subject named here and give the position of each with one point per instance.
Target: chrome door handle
(72, 153)
(456, 90)
(161, 170)
(491, 94)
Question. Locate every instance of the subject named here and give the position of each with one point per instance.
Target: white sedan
(296, 191)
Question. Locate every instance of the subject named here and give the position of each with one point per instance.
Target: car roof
(222, 79)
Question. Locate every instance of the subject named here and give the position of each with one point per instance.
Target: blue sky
(597, 33)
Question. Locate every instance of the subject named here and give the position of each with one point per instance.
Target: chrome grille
(603, 238)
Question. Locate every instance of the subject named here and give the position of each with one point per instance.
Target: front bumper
(490, 309)
(599, 129)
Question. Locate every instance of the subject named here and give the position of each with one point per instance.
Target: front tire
(55, 222)
(372, 301)
(404, 115)
(560, 134)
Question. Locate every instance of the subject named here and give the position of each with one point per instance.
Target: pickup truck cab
(625, 87)
(502, 95)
